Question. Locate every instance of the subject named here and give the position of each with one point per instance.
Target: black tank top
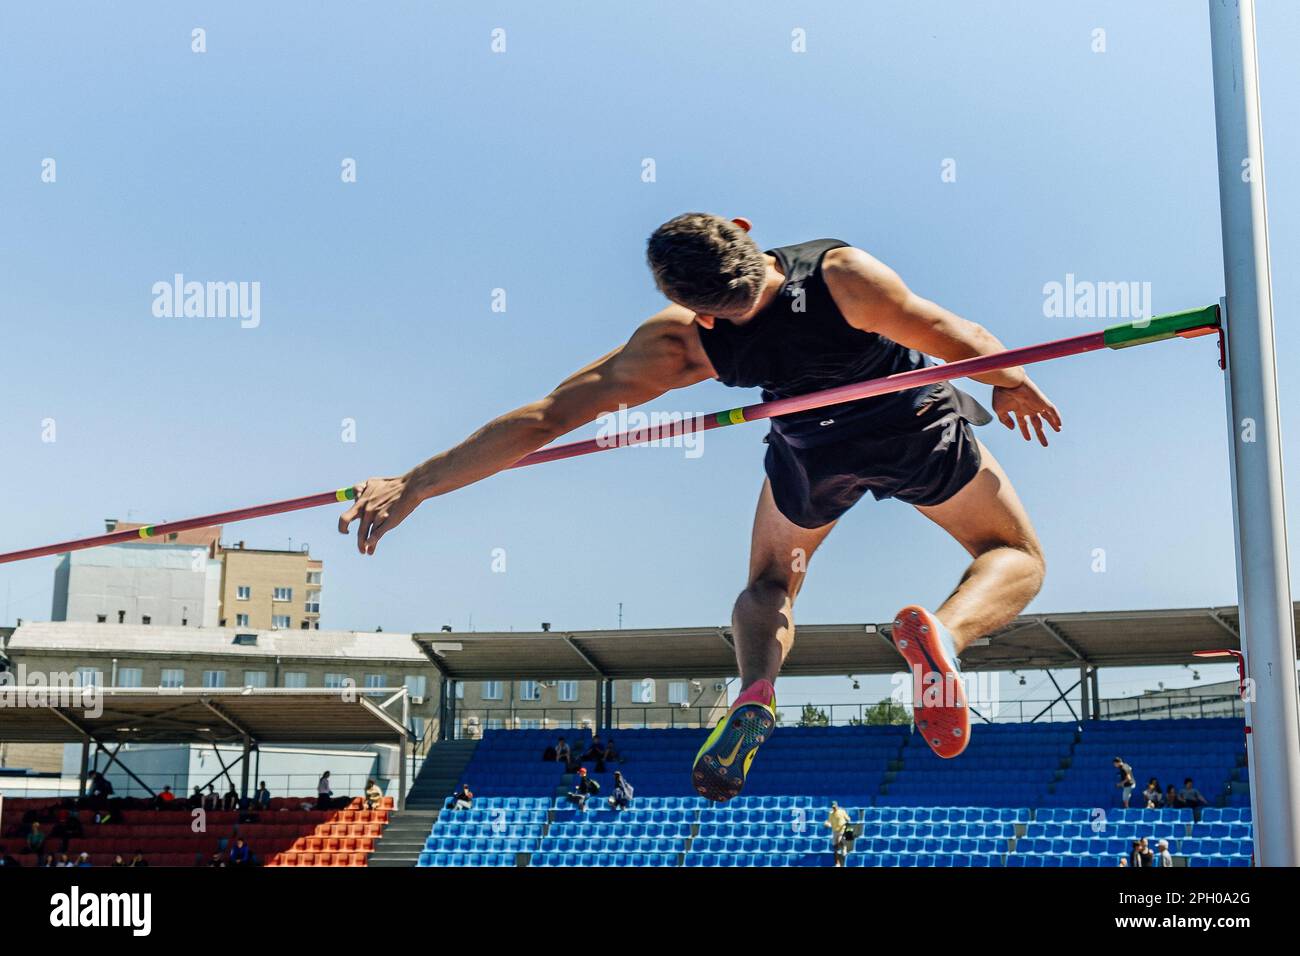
(802, 343)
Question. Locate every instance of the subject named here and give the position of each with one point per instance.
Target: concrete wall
(170, 584)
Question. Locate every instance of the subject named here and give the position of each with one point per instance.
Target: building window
(101, 618)
(89, 677)
(417, 727)
(145, 619)
(254, 678)
(491, 690)
(643, 691)
(495, 723)
(172, 677)
(376, 680)
(313, 577)
(567, 691)
(460, 690)
(337, 681)
(214, 679)
(295, 679)
(677, 692)
(416, 684)
(529, 723)
(530, 690)
(243, 593)
(130, 677)
(282, 594)
(241, 620)
(313, 602)
(281, 622)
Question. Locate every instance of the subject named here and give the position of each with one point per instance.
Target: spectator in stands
(164, 799)
(83, 860)
(563, 753)
(549, 755)
(240, 854)
(100, 788)
(119, 862)
(621, 798)
(262, 797)
(1142, 855)
(324, 791)
(583, 787)
(461, 798)
(611, 752)
(216, 859)
(1152, 798)
(138, 859)
(595, 752)
(1126, 783)
(374, 796)
(68, 828)
(35, 839)
(837, 821)
(1163, 856)
(6, 859)
(210, 799)
(231, 800)
(1191, 797)
(196, 798)
(1172, 800)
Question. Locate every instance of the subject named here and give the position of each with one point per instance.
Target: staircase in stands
(405, 835)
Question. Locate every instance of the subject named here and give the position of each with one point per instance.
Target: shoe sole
(945, 729)
(745, 730)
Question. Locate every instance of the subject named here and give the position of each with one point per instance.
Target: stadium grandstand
(1036, 790)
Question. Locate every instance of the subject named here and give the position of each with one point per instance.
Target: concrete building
(167, 584)
(265, 590)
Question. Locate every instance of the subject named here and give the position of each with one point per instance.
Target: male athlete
(793, 320)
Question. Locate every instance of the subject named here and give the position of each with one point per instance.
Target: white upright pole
(1267, 616)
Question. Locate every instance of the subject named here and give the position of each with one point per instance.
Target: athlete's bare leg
(762, 621)
(988, 520)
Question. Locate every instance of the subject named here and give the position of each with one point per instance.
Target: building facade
(270, 590)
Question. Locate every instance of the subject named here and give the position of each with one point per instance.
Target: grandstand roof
(268, 715)
(1033, 641)
(70, 637)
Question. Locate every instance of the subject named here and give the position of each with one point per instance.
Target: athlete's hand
(380, 506)
(1025, 405)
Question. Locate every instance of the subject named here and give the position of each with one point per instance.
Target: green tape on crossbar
(1160, 327)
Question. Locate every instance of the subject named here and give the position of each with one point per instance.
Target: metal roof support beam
(227, 719)
(1060, 696)
(112, 759)
(586, 658)
(1061, 639)
(1218, 619)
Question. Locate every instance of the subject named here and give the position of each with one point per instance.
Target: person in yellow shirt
(838, 821)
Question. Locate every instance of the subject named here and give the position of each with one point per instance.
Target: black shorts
(924, 459)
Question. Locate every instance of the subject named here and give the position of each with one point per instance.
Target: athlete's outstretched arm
(874, 299)
(663, 354)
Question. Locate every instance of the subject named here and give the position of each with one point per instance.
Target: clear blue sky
(522, 171)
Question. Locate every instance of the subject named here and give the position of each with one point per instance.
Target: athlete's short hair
(706, 263)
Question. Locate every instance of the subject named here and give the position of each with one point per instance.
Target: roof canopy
(266, 715)
(1032, 642)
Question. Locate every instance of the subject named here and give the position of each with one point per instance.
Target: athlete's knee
(765, 594)
(1033, 561)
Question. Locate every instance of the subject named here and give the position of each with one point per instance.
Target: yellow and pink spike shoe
(722, 763)
(939, 706)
